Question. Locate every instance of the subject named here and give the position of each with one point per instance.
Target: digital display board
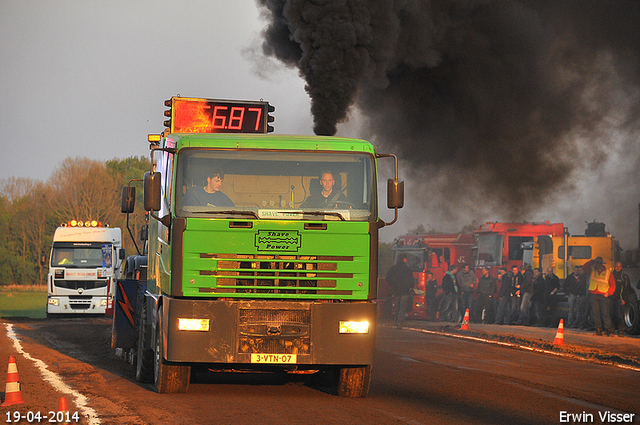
(192, 115)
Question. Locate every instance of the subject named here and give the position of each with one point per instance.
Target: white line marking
(55, 380)
(524, 347)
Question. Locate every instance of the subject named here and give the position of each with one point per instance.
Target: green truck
(262, 251)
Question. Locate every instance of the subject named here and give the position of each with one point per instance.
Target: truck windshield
(275, 185)
(76, 257)
(489, 249)
(414, 258)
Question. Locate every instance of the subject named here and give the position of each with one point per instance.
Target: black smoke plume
(514, 96)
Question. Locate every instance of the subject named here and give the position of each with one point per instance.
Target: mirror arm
(382, 223)
(166, 220)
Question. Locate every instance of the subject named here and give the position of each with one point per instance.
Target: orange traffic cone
(560, 334)
(465, 321)
(12, 395)
(63, 410)
(62, 405)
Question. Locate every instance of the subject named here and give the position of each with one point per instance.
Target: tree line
(79, 188)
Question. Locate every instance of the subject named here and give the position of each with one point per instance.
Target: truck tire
(144, 361)
(353, 381)
(632, 316)
(168, 378)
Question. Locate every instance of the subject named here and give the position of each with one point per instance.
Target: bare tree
(14, 188)
(28, 219)
(83, 189)
(39, 226)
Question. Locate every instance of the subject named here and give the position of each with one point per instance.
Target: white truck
(84, 265)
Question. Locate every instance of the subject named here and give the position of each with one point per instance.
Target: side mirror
(395, 194)
(152, 185)
(128, 203)
(395, 191)
(121, 254)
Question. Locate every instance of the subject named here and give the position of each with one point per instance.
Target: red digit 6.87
(235, 117)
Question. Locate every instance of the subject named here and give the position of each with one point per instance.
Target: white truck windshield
(76, 257)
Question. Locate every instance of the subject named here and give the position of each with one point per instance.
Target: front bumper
(70, 305)
(241, 330)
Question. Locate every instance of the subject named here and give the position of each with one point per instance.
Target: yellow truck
(550, 251)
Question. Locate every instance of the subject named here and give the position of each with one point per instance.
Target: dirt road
(84, 373)
(418, 378)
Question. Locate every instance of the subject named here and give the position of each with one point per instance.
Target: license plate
(274, 358)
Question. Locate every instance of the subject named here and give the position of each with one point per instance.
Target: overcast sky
(88, 79)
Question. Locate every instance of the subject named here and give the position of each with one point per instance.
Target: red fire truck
(500, 244)
(434, 253)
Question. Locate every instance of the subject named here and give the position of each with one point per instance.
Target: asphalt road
(418, 378)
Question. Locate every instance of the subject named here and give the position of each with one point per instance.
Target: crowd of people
(596, 294)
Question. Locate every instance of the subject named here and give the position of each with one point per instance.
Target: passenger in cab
(209, 195)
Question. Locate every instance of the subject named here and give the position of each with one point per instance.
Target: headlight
(193, 324)
(351, 327)
(53, 301)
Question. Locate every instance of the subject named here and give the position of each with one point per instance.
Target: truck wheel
(168, 378)
(632, 316)
(353, 381)
(144, 361)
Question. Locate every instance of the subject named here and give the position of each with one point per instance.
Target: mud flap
(126, 317)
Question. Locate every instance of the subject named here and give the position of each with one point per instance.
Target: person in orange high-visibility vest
(602, 285)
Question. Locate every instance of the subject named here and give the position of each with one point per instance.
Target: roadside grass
(23, 301)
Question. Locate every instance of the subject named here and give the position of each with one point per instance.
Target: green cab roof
(269, 141)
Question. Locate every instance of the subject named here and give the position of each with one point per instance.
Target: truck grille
(84, 284)
(276, 274)
(279, 316)
(274, 331)
(80, 302)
